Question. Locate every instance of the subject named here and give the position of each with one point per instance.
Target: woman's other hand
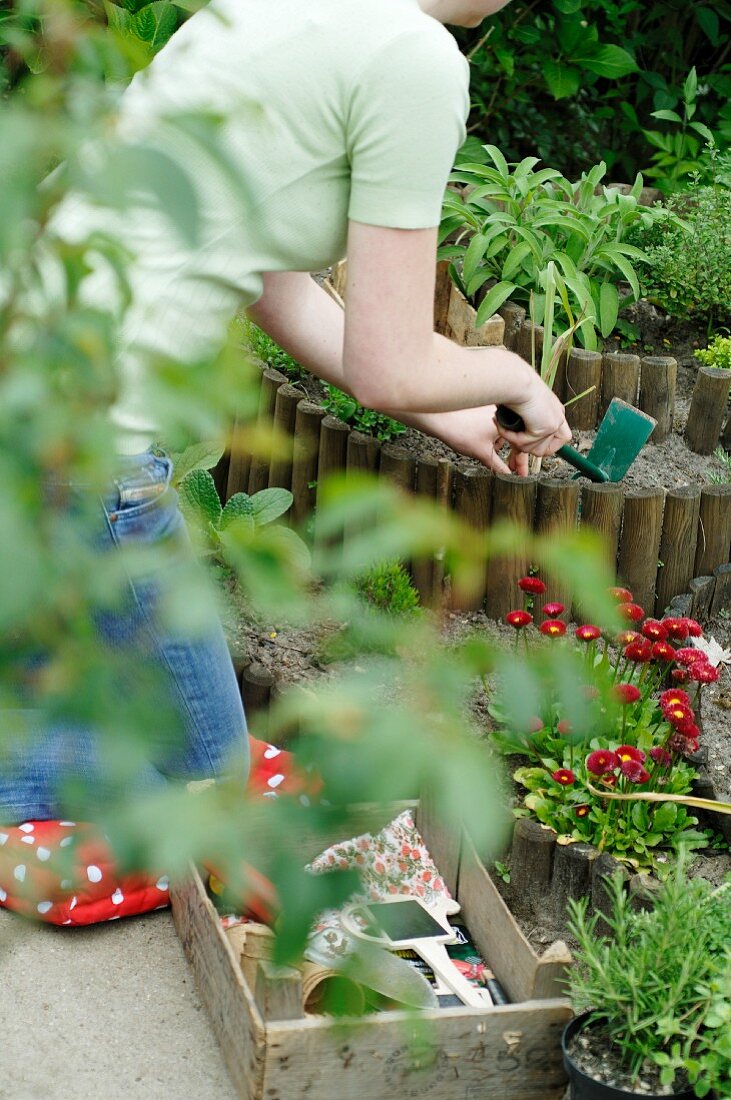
(473, 432)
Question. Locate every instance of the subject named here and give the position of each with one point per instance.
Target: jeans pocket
(144, 506)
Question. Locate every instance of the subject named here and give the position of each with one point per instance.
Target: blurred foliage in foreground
(385, 727)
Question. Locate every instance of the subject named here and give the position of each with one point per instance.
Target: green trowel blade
(621, 436)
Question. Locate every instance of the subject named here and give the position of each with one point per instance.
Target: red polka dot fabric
(63, 872)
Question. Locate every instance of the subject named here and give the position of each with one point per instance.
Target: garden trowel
(621, 436)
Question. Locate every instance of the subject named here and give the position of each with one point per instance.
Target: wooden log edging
(657, 540)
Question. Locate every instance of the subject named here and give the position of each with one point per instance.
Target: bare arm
(385, 352)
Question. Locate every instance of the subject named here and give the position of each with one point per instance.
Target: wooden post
(446, 471)
(332, 457)
(722, 595)
(530, 342)
(639, 548)
(513, 501)
(219, 473)
(601, 509)
(620, 378)
(271, 380)
(256, 685)
(678, 543)
(285, 413)
(362, 455)
(701, 590)
(707, 410)
(658, 379)
(398, 466)
(583, 372)
(304, 459)
(531, 863)
(442, 294)
(239, 465)
(513, 315)
(557, 505)
(339, 278)
(422, 569)
(572, 866)
(472, 491)
(714, 529)
(462, 328)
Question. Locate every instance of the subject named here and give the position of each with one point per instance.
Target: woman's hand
(544, 419)
(472, 432)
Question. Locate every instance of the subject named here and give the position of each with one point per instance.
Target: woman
(339, 121)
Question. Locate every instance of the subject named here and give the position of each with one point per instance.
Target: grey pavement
(109, 1012)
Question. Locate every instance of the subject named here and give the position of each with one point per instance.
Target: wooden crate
(506, 1053)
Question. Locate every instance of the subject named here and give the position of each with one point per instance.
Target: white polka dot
(68, 922)
(26, 827)
(67, 824)
(66, 883)
(19, 872)
(271, 751)
(74, 902)
(44, 906)
(115, 917)
(3, 895)
(43, 853)
(66, 841)
(3, 838)
(275, 780)
(270, 794)
(161, 907)
(117, 897)
(27, 840)
(163, 883)
(304, 800)
(93, 873)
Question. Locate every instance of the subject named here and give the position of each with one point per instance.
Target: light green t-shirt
(330, 109)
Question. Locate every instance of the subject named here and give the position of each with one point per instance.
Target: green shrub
(388, 587)
(688, 250)
(268, 351)
(717, 354)
(346, 408)
(513, 220)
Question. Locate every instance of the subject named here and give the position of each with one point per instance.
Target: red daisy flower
(703, 672)
(660, 756)
(686, 746)
(680, 675)
(629, 752)
(533, 585)
(633, 770)
(583, 810)
(518, 619)
(626, 637)
(688, 655)
(588, 633)
(590, 691)
(553, 628)
(695, 630)
(674, 695)
(622, 594)
(663, 651)
(564, 727)
(601, 761)
(534, 724)
(677, 713)
(639, 651)
(564, 776)
(609, 780)
(689, 729)
(553, 610)
(654, 630)
(631, 611)
(676, 628)
(626, 693)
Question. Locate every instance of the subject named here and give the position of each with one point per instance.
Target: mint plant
(512, 220)
(202, 509)
(347, 409)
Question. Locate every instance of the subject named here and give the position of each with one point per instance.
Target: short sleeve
(407, 119)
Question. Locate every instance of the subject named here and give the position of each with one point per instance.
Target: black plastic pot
(584, 1087)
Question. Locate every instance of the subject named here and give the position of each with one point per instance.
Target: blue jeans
(200, 729)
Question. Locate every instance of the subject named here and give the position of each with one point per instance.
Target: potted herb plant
(653, 996)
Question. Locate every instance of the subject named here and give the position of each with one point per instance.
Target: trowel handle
(512, 422)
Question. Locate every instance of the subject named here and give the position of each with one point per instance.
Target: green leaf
(703, 130)
(270, 504)
(669, 116)
(144, 25)
(493, 300)
(611, 253)
(239, 508)
(611, 61)
(515, 259)
(200, 456)
(562, 79)
(567, 7)
(473, 255)
(608, 308)
(690, 87)
(707, 20)
(498, 160)
(664, 817)
(199, 498)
